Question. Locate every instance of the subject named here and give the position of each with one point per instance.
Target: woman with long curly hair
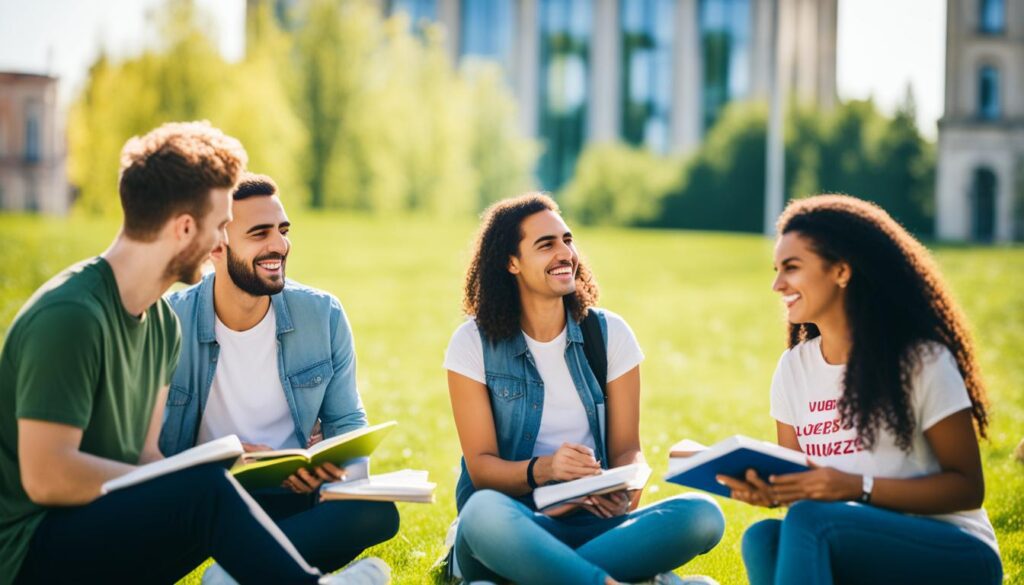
(531, 408)
(881, 390)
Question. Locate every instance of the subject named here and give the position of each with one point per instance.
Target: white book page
(632, 476)
(222, 449)
(405, 482)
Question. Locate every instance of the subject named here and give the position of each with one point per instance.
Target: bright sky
(883, 44)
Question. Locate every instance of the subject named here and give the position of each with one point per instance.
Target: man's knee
(381, 520)
(387, 514)
(371, 522)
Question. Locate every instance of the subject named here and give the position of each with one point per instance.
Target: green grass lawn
(700, 303)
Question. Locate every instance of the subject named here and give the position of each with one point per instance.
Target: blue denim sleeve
(342, 409)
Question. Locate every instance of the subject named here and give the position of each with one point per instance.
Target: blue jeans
(502, 539)
(827, 542)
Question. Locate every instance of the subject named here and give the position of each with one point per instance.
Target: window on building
(983, 205)
(647, 30)
(488, 30)
(993, 16)
(565, 27)
(988, 93)
(32, 132)
(725, 44)
(419, 11)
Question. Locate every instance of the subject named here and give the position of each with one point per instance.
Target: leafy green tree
(333, 47)
(723, 187)
(620, 184)
(502, 158)
(254, 106)
(181, 78)
(852, 149)
(345, 109)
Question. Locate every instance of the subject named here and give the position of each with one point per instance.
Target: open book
(693, 465)
(627, 477)
(265, 469)
(225, 451)
(407, 485)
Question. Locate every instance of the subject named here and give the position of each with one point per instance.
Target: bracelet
(529, 473)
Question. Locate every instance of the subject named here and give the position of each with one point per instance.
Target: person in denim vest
(530, 411)
(272, 361)
(84, 377)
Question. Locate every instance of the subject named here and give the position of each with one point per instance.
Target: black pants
(159, 531)
(329, 534)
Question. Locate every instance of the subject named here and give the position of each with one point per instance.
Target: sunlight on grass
(700, 304)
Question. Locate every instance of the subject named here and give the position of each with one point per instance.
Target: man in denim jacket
(267, 359)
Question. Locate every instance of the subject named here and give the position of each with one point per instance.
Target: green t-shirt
(74, 356)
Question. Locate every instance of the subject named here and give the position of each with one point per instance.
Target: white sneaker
(368, 571)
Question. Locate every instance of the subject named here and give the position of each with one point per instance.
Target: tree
(332, 53)
(620, 184)
(852, 149)
(181, 78)
(345, 110)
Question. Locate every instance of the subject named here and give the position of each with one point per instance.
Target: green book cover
(270, 468)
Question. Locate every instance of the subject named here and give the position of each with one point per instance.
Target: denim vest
(517, 398)
(315, 360)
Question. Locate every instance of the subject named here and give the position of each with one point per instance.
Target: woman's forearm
(941, 493)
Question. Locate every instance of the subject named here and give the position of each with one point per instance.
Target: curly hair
(896, 302)
(491, 292)
(171, 170)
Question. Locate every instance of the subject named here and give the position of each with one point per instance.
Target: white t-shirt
(563, 419)
(246, 397)
(806, 388)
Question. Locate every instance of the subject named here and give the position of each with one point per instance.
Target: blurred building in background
(32, 148)
(648, 72)
(981, 135)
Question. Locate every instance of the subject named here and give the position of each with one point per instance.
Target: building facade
(656, 73)
(980, 193)
(32, 148)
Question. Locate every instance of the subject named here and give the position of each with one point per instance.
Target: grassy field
(700, 304)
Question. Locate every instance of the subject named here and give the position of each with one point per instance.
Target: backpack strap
(595, 349)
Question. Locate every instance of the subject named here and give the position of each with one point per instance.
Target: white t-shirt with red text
(806, 388)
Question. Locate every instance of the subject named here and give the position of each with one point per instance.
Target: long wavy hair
(896, 300)
(491, 291)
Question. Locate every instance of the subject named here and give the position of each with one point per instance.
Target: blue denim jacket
(315, 359)
(517, 398)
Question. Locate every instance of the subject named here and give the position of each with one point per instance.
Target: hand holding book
(737, 466)
(307, 481)
(618, 479)
(751, 488)
(270, 468)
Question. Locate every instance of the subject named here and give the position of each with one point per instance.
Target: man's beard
(187, 266)
(245, 277)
